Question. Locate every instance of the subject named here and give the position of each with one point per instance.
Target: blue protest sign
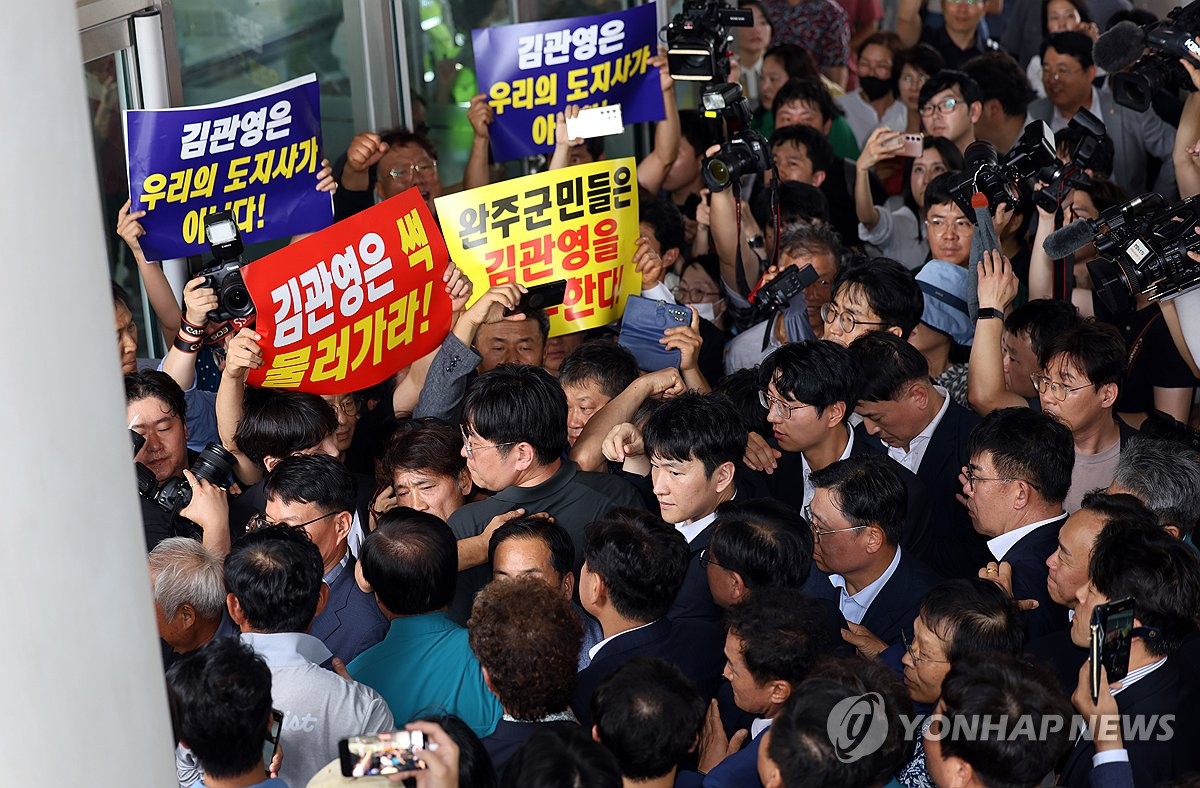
(256, 155)
(533, 70)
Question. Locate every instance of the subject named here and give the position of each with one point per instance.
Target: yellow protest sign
(578, 224)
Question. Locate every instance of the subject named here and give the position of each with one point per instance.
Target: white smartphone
(596, 122)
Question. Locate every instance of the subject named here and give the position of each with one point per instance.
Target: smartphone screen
(382, 754)
(1118, 625)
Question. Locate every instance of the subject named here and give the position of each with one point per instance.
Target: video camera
(746, 151)
(1143, 248)
(1060, 178)
(213, 465)
(225, 275)
(1163, 43)
(698, 40)
(1003, 180)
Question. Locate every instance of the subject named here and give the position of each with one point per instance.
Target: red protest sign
(346, 308)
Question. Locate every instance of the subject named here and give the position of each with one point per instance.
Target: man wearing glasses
(857, 521)
(316, 494)
(1067, 75)
(514, 436)
(950, 104)
(1082, 370)
(379, 166)
(1014, 486)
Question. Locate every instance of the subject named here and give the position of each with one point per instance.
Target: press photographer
(154, 408)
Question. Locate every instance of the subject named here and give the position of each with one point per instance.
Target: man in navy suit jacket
(1016, 480)
(634, 565)
(923, 429)
(857, 519)
(317, 493)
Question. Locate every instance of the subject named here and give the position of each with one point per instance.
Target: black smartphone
(541, 296)
(382, 754)
(271, 740)
(1111, 625)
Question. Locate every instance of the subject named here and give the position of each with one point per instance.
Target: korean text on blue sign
(257, 156)
(531, 71)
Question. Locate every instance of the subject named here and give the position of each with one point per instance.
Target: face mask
(874, 87)
(708, 311)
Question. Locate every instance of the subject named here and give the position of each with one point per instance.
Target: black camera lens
(236, 299)
(717, 174)
(1112, 285)
(214, 464)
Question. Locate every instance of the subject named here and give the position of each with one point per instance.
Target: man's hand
(759, 454)
(864, 640)
(560, 128)
(243, 354)
(648, 263)
(365, 151)
(209, 507)
(1004, 214)
(659, 61)
(664, 384)
(623, 442)
(685, 339)
(479, 113)
(1103, 717)
(198, 301)
(325, 179)
(714, 747)
(997, 283)
(1001, 574)
(458, 287)
(130, 229)
(500, 519)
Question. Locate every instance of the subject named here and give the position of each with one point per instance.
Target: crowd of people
(918, 486)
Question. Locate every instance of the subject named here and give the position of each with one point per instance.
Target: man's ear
(833, 414)
(1108, 395)
(185, 614)
(780, 690)
(918, 393)
(670, 257)
(235, 610)
(596, 733)
(976, 112)
(818, 178)
(737, 587)
(526, 456)
(1173, 530)
(342, 523)
(568, 584)
(464, 482)
(723, 476)
(270, 462)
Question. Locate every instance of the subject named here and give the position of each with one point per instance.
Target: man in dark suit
(317, 493)
(923, 429)
(809, 390)
(1162, 575)
(634, 565)
(857, 519)
(1015, 483)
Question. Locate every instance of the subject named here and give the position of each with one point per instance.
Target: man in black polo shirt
(514, 434)
(959, 40)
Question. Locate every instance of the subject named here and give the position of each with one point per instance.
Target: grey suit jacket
(1136, 136)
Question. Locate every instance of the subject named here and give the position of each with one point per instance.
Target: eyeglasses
(706, 558)
(470, 450)
(944, 107)
(940, 226)
(406, 173)
(819, 532)
(687, 295)
(909, 647)
(1059, 390)
(347, 407)
(778, 406)
(846, 321)
(1061, 73)
(259, 521)
(972, 478)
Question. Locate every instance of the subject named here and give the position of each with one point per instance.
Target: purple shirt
(820, 26)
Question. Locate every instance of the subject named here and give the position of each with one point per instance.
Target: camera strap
(984, 239)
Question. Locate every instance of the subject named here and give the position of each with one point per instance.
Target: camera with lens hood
(698, 40)
(745, 152)
(1003, 180)
(214, 465)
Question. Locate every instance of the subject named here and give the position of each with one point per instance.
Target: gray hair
(183, 572)
(1165, 476)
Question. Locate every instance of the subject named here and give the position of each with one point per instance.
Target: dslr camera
(746, 151)
(698, 39)
(224, 276)
(214, 465)
(1003, 180)
(776, 295)
(1060, 178)
(1143, 248)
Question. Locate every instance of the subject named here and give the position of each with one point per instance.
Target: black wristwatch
(988, 312)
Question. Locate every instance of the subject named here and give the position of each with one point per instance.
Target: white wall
(81, 694)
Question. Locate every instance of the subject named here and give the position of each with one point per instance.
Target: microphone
(1120, 47)
(1069, 239)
